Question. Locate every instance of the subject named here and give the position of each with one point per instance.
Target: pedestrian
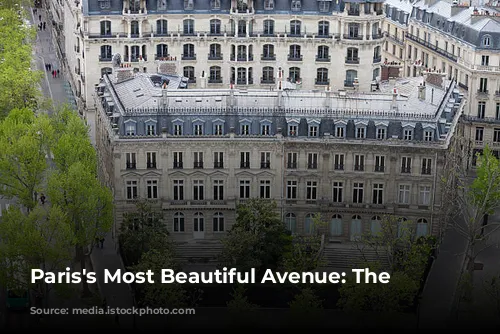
(40, 26)
(40, 17)
(50, 67)
(102, 243)
(58, 73)
(53, 73)
(46, 67)
(42, 199)
(44, 25)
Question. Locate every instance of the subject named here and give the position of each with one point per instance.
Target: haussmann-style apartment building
(352, 157)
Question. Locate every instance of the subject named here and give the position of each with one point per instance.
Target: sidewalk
(116, 295)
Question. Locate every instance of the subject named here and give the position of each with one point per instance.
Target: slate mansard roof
(137, 108)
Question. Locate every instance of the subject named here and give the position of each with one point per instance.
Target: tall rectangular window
(198, 190)
(132, 189)
(338, 162)
(405, 165)
(426, 166)
(245, 159)
(312, 161)
(311, 190)
(379, 163)
(291, 189)
(291, 161)
(378, 193)
(425, 195)
(151, 159)
(218, 160)
(265, 189)
(178, 190)
(244, 189)
(152, 188)
(357, 192)
(338, 192)
(218, 190)
(359, 162)
(404, 194)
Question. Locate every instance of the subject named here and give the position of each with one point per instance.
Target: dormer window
(381, 133)
(105, 4)
(265, 129)
(268, 4)
(313, 130)
(130, 128)
(161, 5)
(188, 4)
(340, 131)
(408, 134)
(324, 6)
(360, 131)
(292, 130)
(218, 127)
(428, 135)
(296, 5)
(486, 41)
(215, 4)
(150, 127)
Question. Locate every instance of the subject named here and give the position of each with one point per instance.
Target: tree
(140, 231)
(41, 239)
(258, 239)
(242, 311)
(473, 200)
(305, 254)
(24, 140)
(306, 306)
(492, 288)
(157, 294)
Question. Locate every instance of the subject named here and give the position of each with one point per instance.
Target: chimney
(124, 73)
(203, 80)
(421, 92)
(394, 104)
(458, 7)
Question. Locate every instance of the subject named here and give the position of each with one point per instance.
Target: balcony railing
(105, 58)
(244, 81)
(312, 166)
(161, 33)
(379, 168)
(353, 36)
(267, 81)
(294, 57)
(426, 171)
(245, 164)
(215, 56)
(482, 92)
(377, 59)
(432, 47)
(218, 164)
(268, 57)
(359, 168)
(405, 170)
(265, 165)
(338, 167)
(323, 59)
(377, 36)
(352, 60)
(215, 80)
(353, 12)
(322, 82)
(178, 164)
(488, 120)
(291, 165)
(151, 165)
(189, 56)
(348, 83)
(131, 165)
(379, 12)
(162, 56)
(198, 164)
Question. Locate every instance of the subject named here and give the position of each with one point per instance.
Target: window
(479, 133)
(291, 161)
(294, 74)
(496, 135)
(485, 60)
(324, 6)
(198, 129)
(336, 226)
(425, 195)
(268, 4)
(215, 25)
(338, 162)
(215, 75)
(130, 129)
(483, 85)
(481, 109)
(198, 190)
(357, 193)
(311, 190)
(405, 165)
(376, 225)
(407, 134)
(105, 28)
(339, 131)
(291, 222)
(359, 162)
(178, 162)
(161, 27)
(312, 160)
(352, 55)
(151, 129)
(404, 194)
(197, 159)
(296, 5)
(265, 129)
(497, 111)
(421, 228)
(381, 133)
(198, 222)
(428, 135)
(360, 132)
(178, 129)
(178, 190)
(291, 189)
(323, 28)
(218, 222)
(379, 163)
(353, 30)
(245, 159)
(188, 52)
(106, 53)
(309, 224)
(215, 4)
(244, 189)
(378, 193)
(265, 189)
(338, 192)
(105, 4)
(131, 189)
(218, 129)
(188, 27)
(218, 190)
(486, 41)
(134, 28)
(152, 188)
(151, 160)
(245, 129)
(188, 4)
(426, 166)
(265, 160)
(292, 129)
(218, 160)
(267, 75)
(178, 222)
(295, 26)
(131, 160)
(295, 53)
(313, 130)
(322, 76)
(188, 72)
(268, 27)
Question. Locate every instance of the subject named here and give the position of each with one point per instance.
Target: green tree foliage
(242, 311)
(306, 307)
(400, 254)
(24, 139)
(40, 239)
(160, 256)
(141, 230)
(258, 239)
(18, 83)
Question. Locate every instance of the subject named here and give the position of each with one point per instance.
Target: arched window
(106, 28)
(161, 27)
(267, 75)
(188, 72)
(218, 222)
(323, 53)
(294, 74)
(268, 28)
(215, 75)
(188, 52)
(161, 51)
(134, 28)
(356, 227)
(188, 27)
(323, 29)
(268, 52)
(291, 222)
(308, 224)
(198, 222)
(376, 73)
(106, 53)
(376, 225)
(336, 225)
(350, 76)
(352, 56)
(295, 53)
(295, 27)
(422, 227)
(402, 227)
(215, 52)
(178, 222)
(322, 76)
(215, 27)
(486, 40)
